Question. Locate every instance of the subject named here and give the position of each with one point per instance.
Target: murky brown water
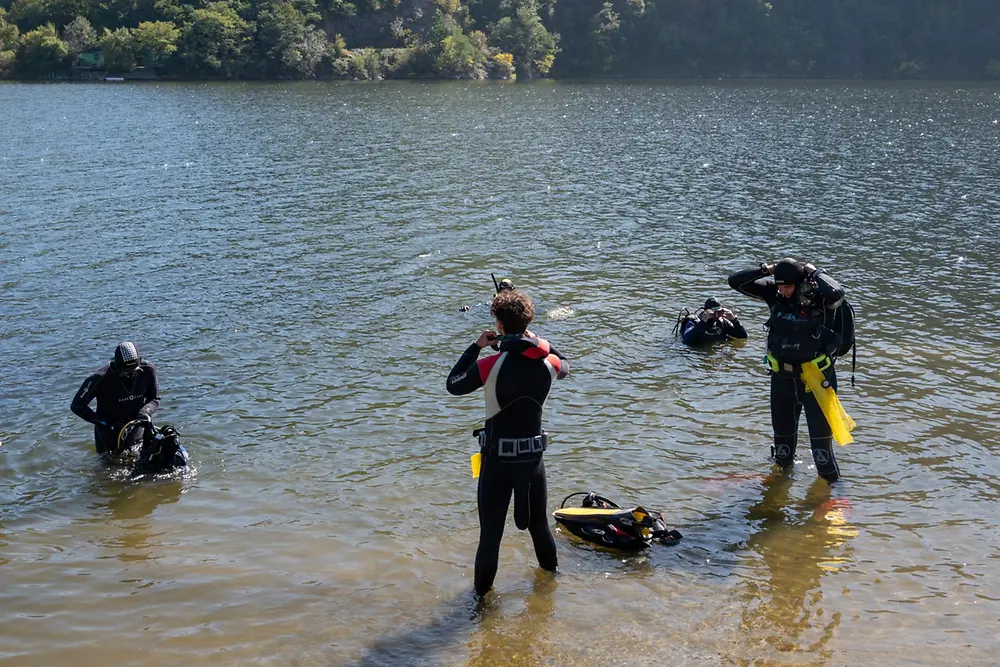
(293, 258)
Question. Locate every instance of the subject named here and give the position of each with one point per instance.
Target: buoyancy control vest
(801, 329)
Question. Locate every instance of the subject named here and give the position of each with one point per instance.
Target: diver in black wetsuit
(125, 389)
(712, 323)
(516, 382)
(803, 301)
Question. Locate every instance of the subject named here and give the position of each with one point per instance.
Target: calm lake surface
(293, 258)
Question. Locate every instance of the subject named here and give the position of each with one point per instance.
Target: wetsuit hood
(126, 357)
(788, 272)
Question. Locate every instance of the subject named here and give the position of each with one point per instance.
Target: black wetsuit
(118, 401)
(695, 331)
(516, 382)
(799, 330)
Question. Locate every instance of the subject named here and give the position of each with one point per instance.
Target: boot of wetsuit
(823, 456)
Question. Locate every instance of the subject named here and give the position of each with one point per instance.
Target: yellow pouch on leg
(840, 422)
(477, 464)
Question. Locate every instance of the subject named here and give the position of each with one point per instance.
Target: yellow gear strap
(840, 422)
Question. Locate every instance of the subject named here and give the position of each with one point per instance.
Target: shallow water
(293, 258)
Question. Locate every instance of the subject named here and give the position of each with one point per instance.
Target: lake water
(294, 257)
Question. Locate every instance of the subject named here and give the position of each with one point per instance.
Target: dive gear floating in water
(603, 522)
(160, 450)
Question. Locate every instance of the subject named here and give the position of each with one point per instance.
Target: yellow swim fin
(840, 422)
(477, 464)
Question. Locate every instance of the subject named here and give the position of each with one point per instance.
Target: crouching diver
(126, 389)
(516, 382)
(128, 394)
(802, 345)
(711, 323)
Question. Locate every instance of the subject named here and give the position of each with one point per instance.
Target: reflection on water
(127, 505)
(496, 630)
(424, 644)
(799, 543)
(519, 638)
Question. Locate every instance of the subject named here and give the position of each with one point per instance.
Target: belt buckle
(525, 445)
(822, 362)
(507, 447)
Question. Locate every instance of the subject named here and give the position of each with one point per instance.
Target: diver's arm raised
(829, 290)
(561, 363)
(465, 376)
(755, 283)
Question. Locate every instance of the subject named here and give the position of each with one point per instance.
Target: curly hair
(514, 310)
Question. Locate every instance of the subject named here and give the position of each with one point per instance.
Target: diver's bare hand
(486, 338)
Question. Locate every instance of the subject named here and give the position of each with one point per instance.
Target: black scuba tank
(843, 325)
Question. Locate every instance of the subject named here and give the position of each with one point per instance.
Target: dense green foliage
(287, 39)
(10, 38)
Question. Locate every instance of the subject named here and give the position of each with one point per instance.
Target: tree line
(297, 39)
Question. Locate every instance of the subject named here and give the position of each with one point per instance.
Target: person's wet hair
(514, 310)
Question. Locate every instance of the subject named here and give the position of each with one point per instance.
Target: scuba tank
(682, 317)
(843, 324)
(605, 523)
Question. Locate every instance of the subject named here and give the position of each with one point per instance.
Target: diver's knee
(489, 542)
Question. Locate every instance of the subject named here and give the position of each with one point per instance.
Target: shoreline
(119, 78)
